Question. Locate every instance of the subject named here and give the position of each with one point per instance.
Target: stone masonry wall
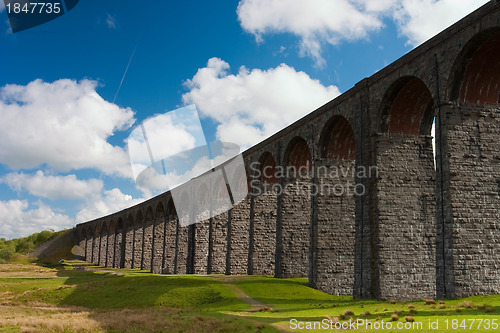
(264, 234)
(129, 243)
(219, 232)
(406, 225)
(336, 228)
(148, 244)
(201, 247)
(158, 243)
(239, 237)
(474, 189)
(296, 224)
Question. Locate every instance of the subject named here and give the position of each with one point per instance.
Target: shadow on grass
(134, 300)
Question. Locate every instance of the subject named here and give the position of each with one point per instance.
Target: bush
(6, 254)
(10, 248)
(43, 236)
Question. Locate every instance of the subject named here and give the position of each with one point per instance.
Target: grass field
(74, 298)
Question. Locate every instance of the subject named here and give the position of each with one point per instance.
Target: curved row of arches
(357, 198)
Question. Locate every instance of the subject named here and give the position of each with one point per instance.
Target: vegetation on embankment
(15, 249)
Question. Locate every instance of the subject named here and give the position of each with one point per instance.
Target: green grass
(294, 299)
(206, 304)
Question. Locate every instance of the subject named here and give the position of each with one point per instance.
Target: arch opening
(476, 73)
(407, 108)
(337, 140)
(268, 169)
(298, 154)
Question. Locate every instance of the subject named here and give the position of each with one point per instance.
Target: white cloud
(314, 22)
(254, 104)
(111, 21)
(63, 125)
(326, 21)
(420, 20)
(18, 221)
(53, 187)
(112, 201)
(166, 135)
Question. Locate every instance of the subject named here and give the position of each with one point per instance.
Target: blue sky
(251, 68)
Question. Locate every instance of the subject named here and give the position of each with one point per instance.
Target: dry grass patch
(21, 270)
(40, 317)
(466, 304)
(409, 319)
(47, 319)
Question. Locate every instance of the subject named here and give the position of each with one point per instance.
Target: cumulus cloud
(112, 201)
(325, 21)
(420, 20)
(53, 187)
(164, 135)
(19, 221)
(254, 104)
(63, 125)
(313, 21)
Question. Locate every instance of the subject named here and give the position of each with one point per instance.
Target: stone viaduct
(388, 219)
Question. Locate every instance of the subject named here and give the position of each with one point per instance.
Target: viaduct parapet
(411, 226)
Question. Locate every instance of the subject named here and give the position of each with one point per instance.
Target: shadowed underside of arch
(481, 82)
(407, 108)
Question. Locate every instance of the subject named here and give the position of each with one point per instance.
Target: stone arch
(96, 243)
(267, 167)
(298, 154)
(130, 244)
(202, 213)
(110, 243)
(90, 244)
(171, 212)
(406, 195)
(239, 244)
(407, 108)
(240, 182)
(293, 235)
(158, 238)
(220, 189)
(337, 140)
(475, 75)
(203, 202)
(264, 219)
(186, 220)
(83, 241)
(147, 239)
(470, 136)
(221, 226)
(175, 245)
(139, 238)
(120, 240)
(103, 244)
(82, 233)
(336, 206)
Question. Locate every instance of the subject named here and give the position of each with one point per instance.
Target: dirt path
(256, 306)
